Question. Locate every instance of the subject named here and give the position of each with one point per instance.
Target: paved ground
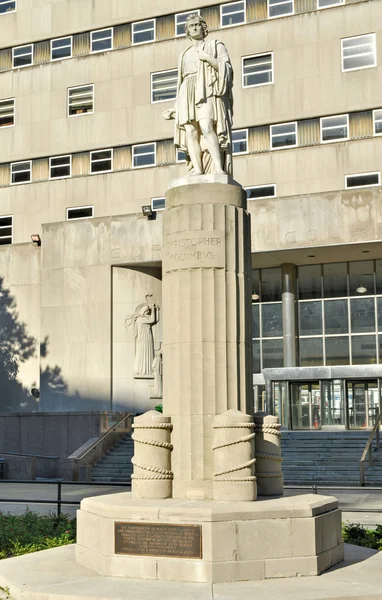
(364, 499)
(54, 575)
(366, 502)
(29, 492)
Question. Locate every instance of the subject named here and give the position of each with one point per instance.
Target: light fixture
(255, 297)
(361, 289)
(36, 239)
(147, 211)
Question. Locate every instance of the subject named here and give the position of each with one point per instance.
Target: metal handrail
(104, 436)
(368, 450)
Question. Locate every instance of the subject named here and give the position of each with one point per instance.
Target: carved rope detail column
(234, 459)
(268, 455)
(152, 476)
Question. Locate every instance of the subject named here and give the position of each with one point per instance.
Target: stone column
(289, 309)
(152, 477)
(234, 457)
(269, 475)
(207, 354)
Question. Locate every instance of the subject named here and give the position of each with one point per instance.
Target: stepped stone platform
(55, 575)
(117, 535)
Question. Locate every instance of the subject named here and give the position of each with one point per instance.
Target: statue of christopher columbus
(203, 109)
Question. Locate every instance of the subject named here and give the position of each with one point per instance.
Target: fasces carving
(194, 249)
(268, 455)
(146, 315)
(157, 366)
(152, 476)
(203, 109)
(234, 459)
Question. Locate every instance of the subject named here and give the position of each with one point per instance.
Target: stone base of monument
(209, 541)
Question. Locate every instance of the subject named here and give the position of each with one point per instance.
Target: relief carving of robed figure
(145, 316)
(204, 104)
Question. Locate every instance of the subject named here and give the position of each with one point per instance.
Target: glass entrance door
(306, 405)
(363, 403)
(333, 413)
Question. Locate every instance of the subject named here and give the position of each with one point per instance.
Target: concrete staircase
(309, 458)
(327, 458)
(116, 465)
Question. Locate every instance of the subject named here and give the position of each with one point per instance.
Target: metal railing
(368, 450)
(93, 453)
(58, 501)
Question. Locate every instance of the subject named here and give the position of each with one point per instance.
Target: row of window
(143, 156)
(332, 129)
(144, 32)
(74, 213)
(257, 192)
(339, 314)
(357, 53)
(332, 280)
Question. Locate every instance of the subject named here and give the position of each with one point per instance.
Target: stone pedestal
(207, 353)
(208, 541)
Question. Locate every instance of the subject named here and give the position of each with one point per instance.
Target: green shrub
(30, 532)
(354, 533)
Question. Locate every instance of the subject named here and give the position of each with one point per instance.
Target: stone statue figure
(203, 108)
(158, 375)
(143, 319)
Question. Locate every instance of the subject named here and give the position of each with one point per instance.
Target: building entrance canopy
(325, 397)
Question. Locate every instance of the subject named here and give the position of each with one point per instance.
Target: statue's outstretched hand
(169, 114)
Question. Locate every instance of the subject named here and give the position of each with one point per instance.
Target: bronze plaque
(158, 539)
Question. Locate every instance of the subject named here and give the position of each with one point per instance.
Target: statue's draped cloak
(214, 84)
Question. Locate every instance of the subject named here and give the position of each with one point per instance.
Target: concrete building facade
(84, 147)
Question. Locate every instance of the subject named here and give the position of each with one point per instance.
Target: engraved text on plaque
(158, 539)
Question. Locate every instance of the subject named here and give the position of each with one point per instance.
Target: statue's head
(196, 27)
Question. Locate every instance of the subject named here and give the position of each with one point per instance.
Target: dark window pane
(63, 171)
(379, 313)
(361, 278)
(271, 320)
(255, 285)
(101, 45)
(311, 352)
(100, 166)
(272, 354)
(4, 221)
(158, 203)
(335, 280)
(310, 317)
(337, 350)
(362, 315)
(309, 282)
(378, 275)
(336, 316)
(266, 191)
(80, 213)
(256, 356)
(255, 321)
(362, 180)
(380, 348)
(363, 350)
(270, 285)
